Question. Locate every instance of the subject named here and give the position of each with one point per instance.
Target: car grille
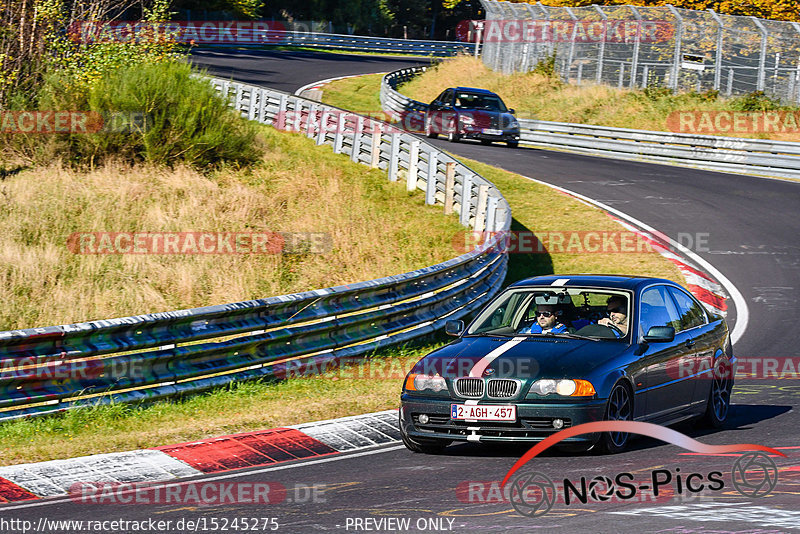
(525, 427)
(470, 387)
(502, 388)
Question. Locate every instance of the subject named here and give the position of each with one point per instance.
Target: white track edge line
(742, 312)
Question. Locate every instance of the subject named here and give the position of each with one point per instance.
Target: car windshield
(474, 101)
(569, 312)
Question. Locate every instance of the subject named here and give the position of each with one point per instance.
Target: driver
(546, 321)
(617, 320)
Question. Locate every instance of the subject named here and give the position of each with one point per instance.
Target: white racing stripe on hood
(483, 363)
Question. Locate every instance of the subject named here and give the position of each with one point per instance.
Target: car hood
(489, 119)
(529, 358)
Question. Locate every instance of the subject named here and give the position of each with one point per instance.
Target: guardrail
(147, 357)
(333, 41)
(724, 154)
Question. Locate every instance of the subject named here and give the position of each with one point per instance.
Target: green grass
(357, 94)
(241, 407)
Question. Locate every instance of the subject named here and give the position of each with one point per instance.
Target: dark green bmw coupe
(555, 351)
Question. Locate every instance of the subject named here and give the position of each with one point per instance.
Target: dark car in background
(470, 113)
(661, 358)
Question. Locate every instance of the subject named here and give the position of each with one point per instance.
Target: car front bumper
(534, 421)
(478, 133)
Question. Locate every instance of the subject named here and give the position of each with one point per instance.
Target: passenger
(617, 320)
(546, 321)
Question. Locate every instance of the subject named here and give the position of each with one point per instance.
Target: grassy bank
(297, 187)
(238, 408)
(537, 96)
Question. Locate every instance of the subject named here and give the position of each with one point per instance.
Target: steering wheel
(615, 328)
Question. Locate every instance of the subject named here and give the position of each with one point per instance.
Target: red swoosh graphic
(634, 427)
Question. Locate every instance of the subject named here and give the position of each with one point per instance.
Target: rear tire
(719, 398)
(618, 408)
(486, 141)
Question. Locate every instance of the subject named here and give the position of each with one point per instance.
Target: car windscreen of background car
(472, 101)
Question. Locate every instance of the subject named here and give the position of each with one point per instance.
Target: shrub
(182, 119)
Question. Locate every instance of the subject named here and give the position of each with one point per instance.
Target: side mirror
(660, 334)
(454, 328)
(512, 111)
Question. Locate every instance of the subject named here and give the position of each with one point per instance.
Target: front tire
(429, 129)
(512, 144)
(618, 408)
(452, 134)
(719, 398)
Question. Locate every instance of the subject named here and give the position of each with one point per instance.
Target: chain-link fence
(628, 46)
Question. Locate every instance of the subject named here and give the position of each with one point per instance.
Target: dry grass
(536, 96)
(298, 188)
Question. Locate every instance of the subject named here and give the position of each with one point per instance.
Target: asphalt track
(752, 232)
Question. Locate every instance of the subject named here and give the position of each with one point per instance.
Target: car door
(438, 109)
(700, 340)
(666, 392)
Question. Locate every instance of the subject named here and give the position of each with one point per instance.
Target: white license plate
(483, 412)
(490, 131)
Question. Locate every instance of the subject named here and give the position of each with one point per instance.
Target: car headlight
(564, 387)
(415, 382)
(514, 124)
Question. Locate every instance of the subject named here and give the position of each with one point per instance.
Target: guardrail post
(430, 187)
(338, 138)
(762, 58)
(323, 127)
(298, 114)
(312, 115)
(394, 157)
(357, 138)
(481, 207)
(238, 95)
(251, 109)
(449, 187)
(602, 51)
(636, 45)
(283, 109)
(621, 74)
(676, 54)
(413, 163)
(376, 145)
(263, 102)
(491, 214)
(466, 199)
